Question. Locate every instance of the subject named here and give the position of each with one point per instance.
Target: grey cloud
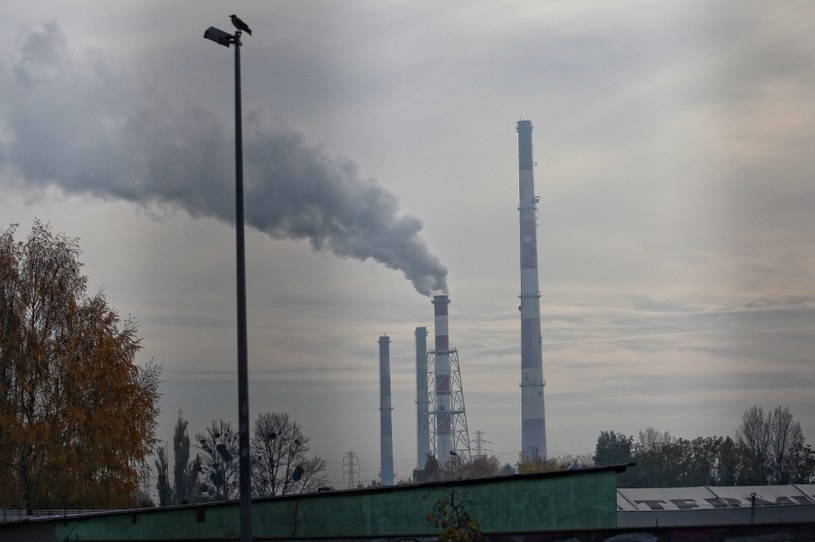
(72, 126)
(762, 331)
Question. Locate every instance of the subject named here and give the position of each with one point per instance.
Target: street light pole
(244, 466)
(458, 460)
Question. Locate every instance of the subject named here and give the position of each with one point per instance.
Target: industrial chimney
(385, 422)
(533, 423)
(422, 400)
(450, 439)
(444, 421)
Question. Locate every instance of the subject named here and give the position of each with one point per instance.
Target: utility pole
(350, 468)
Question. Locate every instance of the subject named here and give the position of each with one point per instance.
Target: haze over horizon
(676, 235)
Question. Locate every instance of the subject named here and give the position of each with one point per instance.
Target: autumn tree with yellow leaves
(77, 415)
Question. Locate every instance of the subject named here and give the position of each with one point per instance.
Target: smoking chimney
(448, 432)
(444, 422)
(422, 401)
(533, 423)
(385, 422)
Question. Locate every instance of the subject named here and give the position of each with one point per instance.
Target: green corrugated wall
(524, 503)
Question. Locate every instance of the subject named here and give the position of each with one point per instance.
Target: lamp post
(458, 461)
(244, 468)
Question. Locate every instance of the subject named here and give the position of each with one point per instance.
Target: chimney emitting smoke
(444, 421)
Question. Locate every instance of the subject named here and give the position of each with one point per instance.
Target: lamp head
(219, 36)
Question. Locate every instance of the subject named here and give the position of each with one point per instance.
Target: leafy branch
(456, 524)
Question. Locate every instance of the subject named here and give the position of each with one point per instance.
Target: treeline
(768, 449)
(279, 459)
(484, 466)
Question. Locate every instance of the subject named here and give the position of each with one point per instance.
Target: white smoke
(68, 122)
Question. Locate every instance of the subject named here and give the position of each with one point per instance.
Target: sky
(676, 226)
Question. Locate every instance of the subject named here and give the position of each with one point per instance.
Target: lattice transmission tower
(448, 416)
(350, 469)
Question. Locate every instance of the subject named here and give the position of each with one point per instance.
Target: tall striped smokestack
(444, 422)
(422, 402)
(533, 423)
(385, 422)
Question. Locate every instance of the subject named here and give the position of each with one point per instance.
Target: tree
(529, 463)
(219, 464)
(777, 441)
(432, 471)
(455, 523)
(143, 498)
(77, 415)
(485, 466)
(649, 438)
(736, 465)
(804, 466)
(185, 474)
(554, 464)
(754, 434)
(786, 443)
(613, 449)
(682, 463)
(280, 464)
(675, 463)
(165, 492)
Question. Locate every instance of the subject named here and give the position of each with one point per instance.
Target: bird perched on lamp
(240, 25)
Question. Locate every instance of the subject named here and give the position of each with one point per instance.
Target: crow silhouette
(240, 25)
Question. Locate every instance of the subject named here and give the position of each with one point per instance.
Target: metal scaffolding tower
(454, 418)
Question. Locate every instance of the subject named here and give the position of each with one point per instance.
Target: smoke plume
(70, 123)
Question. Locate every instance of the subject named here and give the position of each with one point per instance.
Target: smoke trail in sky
(70, 123)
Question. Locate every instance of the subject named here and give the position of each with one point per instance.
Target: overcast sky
(674, 147)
